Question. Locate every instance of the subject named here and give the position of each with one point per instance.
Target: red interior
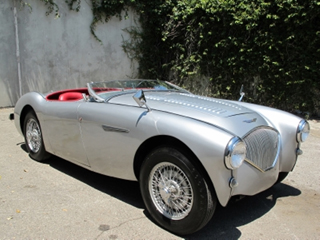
(70, 95)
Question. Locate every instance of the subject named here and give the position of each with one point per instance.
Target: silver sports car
(188, 152)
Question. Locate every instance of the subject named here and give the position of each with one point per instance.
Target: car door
(62, 125)
(111, 135)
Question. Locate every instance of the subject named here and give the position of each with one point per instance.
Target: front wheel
(33, 138)
(175, 193)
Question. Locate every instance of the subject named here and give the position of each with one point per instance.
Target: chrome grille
(262, 148)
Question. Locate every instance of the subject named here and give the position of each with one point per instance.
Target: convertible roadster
(188, 152)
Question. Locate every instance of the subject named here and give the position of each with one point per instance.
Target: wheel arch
(154, 142)
(25, 110)
(32, 101)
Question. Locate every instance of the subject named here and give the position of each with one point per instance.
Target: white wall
(59, 53)
(9, 91)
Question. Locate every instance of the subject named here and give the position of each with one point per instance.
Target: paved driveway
(59, 200)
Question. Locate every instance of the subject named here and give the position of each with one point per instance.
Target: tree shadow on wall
(12, 89)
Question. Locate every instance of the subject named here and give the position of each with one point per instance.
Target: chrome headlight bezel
(303, 131)
(235, 153)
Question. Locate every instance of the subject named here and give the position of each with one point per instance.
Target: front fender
(286, 124)
(207, 142)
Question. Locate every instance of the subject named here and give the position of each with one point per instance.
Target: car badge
(250, 120)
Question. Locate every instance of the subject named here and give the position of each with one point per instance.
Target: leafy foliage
(213, 47)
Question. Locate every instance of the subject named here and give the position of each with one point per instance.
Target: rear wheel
(33, 138)
(175, 193)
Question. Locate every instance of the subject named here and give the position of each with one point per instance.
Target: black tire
(179, 200)
(33, 138)
(281, 177)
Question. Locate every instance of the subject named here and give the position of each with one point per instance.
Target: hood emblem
(250, 120)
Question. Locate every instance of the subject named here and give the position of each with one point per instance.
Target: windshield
(103, 91)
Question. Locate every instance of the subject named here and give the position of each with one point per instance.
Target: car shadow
(225, 221)
(109, 185)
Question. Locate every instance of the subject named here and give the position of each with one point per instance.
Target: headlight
(303, 131)
(235, 153)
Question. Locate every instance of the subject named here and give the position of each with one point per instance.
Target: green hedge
(271, 47)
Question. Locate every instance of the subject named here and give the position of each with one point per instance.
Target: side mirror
(241, 93)
(141, 99)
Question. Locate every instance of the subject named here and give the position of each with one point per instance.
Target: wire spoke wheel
(174, 191)
(33, 135)
(170, 191)
(33, 138)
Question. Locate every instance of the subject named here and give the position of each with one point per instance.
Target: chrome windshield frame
(120, 87)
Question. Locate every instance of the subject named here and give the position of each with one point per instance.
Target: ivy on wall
(213, 47)
(52, 6)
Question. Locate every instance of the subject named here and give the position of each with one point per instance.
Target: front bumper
(251, 181)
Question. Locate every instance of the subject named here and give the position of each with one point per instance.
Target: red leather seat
(70, 96)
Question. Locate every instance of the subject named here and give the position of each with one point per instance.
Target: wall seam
(17, 45)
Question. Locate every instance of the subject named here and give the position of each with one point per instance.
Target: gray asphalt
(59, 200)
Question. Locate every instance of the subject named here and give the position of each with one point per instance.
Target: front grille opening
(262, 148)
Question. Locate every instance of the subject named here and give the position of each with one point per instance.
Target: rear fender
(31, 101)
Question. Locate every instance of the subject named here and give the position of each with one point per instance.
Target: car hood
(224, 114)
